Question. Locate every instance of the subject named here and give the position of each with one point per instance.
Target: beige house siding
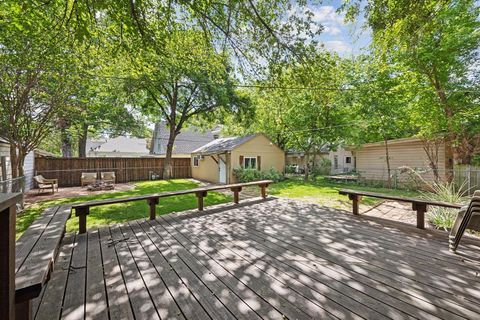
(207, 169)
(371, 160)
(259, 146)
(270, 155)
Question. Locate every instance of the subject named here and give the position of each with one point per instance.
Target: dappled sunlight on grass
(326, 193)
(117, 213)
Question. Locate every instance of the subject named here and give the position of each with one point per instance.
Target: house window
(250, 162)
(348, 159)
(195, 161)
(335, 162)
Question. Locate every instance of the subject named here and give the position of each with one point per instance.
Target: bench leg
(82, 223)
(23, 310)
(200, 196)
(82, 214)
(421, 208)
(355, 203)
(263, 190)
(236, 194)
(153, 203)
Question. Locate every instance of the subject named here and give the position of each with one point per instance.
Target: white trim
(245, 162)
(198, 161)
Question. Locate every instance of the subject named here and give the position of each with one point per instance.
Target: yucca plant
(443, 218)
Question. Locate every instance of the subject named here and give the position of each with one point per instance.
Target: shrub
(248, 175)
(290, 169)
(444, 217)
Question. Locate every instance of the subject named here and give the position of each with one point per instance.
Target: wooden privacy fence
(69, 170)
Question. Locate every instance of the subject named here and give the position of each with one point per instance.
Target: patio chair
(45, 184)
(88, 178)
(468, 218)
(108, 177)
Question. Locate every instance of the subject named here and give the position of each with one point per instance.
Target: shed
(407, 152)
(215, 161)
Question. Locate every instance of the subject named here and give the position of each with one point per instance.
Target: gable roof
(186, 142)
(118, 144)
(224, 144)
(390, 142)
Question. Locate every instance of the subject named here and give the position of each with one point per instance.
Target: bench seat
(419, 205)
(36, 251)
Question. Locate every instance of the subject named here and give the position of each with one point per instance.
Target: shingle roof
(119, 144)
(186, 142)
(223, 144)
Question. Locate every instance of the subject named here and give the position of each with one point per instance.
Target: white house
(342, 160)
(117, 147)
(5, 168)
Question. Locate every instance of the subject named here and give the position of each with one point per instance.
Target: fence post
(468, 172)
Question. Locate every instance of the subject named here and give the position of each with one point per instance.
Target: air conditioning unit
(200, 157)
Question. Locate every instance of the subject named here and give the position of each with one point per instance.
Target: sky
(345, 39)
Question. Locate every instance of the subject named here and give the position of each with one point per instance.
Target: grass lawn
(326, 193)
(122, 212)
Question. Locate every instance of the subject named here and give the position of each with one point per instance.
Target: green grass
(117, 213)
(326, 193)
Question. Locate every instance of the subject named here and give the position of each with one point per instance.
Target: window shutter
(240, 161)
(259, 163)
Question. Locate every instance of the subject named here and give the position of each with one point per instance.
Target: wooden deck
(273, 259)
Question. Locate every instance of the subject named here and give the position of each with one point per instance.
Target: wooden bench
(35, 255)
(419, 205)
(342, 178)
(82, 210)
(26, 264)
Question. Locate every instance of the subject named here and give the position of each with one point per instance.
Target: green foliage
(322, 168)
(433, 46)
(448, 192)
(476, 160)
(248, 175)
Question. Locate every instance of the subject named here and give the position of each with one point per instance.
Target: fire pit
(100, 186)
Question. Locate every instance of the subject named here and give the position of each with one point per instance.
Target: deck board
(274, 259)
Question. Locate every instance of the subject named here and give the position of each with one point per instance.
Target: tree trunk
(82, 142)
(387, 158)
(65, 138)
(13, 161)
(66, 146)
(307, 160)
(431, 149)
(172, 121)
(167, 165)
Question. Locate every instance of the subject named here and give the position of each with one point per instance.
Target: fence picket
(68, 171)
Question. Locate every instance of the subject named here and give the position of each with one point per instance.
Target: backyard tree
(191, 81)
(297, 108)
(437, 43)
(33, 79)
(379, 111)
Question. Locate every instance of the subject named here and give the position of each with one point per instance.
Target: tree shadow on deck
(274, 259)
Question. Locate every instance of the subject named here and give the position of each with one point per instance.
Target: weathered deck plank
(96, 297)
(117, 297)
(140, 300)
(272, 260)
(161, 297)
(49, 304)
(74, 300)
(266, 246)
